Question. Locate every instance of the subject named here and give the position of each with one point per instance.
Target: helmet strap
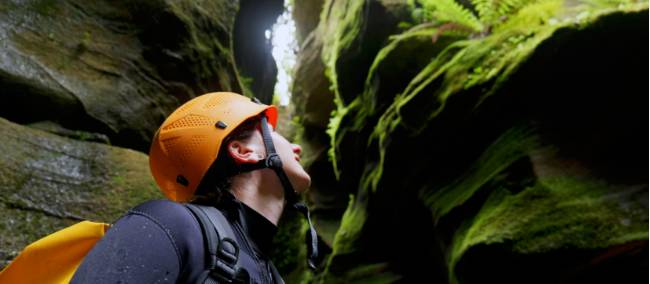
(273, 161)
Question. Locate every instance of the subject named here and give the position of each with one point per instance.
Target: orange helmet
(188, 141)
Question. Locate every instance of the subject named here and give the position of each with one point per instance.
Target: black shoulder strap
(223, 249)
(277, 278)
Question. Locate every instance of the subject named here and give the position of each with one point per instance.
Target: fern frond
(508, 7)
(532, 15)
(491, 11)
(449, 11)
(485, 9)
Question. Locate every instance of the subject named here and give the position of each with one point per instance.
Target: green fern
(491, 13)
(449, 11)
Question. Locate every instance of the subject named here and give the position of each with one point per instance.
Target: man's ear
(243, 153)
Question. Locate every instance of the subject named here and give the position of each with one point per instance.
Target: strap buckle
(273, 161)
(226, 260)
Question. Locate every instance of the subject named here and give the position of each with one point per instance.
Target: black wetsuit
(161, 242)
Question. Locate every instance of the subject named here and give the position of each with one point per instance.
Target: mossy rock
(404, 144)
(49, 182)
(347, 37)
(114, 68)
(526, 205)
(352, 33)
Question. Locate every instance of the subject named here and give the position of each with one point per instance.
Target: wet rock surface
(48, 182)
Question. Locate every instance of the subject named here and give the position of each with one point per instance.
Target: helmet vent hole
(214, 101)
(191, 120)
(174, 146)
(187, 106)
(190, 148)
(195, 143)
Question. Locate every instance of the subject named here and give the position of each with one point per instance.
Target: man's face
(290, 155)
(252, 150)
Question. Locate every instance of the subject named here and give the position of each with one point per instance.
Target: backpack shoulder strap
(223, 249)
(277, 278)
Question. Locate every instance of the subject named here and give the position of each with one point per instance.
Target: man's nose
(296, 149)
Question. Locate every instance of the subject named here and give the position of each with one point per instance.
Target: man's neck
(261, 191)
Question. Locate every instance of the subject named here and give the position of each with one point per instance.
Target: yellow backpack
(55, 257)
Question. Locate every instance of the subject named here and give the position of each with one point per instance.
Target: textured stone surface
(113, 68)
(306, 15)
(48, 182)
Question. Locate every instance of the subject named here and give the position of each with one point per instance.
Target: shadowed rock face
(306, 14)
(48, 182)
(364, 28)
(112, 68)
(513, 155)
(252, 49)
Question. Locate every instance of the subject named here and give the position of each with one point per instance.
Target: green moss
(341, 23)
(484, 63)
(131, 182)
(344, 21)
(351, 224)
(364, 107)
(345, 239)
(557, 213)
(478, 67)
(336, 133)
(211, 56)
(510, 147)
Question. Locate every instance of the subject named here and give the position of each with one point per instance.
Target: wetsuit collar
(259, 229)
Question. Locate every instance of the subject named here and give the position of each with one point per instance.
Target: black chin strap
(273, 161)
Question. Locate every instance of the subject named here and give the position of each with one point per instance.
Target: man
(217, 149)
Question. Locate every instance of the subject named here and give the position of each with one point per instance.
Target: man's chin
(303, 184)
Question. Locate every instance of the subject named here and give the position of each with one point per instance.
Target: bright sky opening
(284, 44)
